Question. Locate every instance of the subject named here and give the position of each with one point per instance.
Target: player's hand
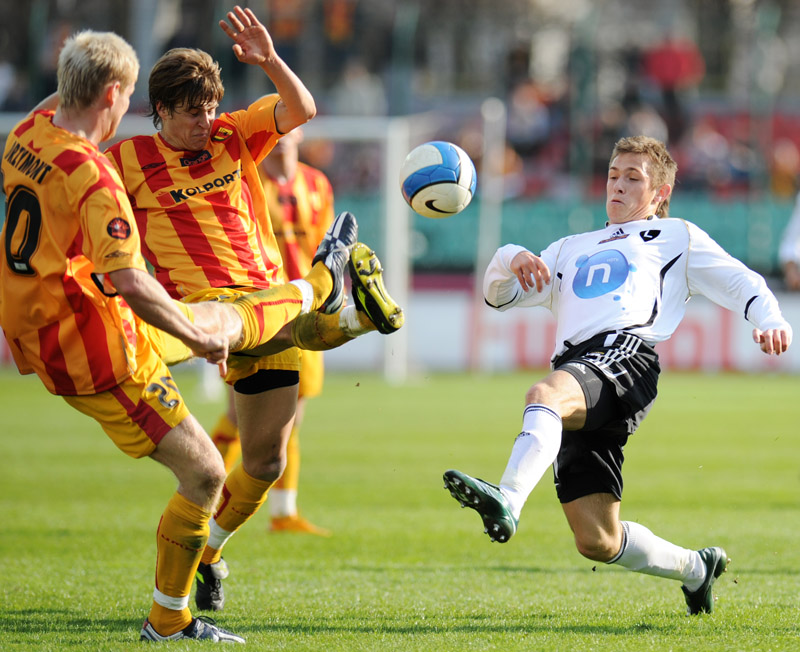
(214, 348)
(773, 341)
(530, 271)
(251, 40)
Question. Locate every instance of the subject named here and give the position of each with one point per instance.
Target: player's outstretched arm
(150, 301)
(773, 341)
(253, 44)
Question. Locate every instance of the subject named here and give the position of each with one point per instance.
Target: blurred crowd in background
(717, 79)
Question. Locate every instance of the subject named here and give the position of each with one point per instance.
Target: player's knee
(211, 483)
(204, 483)
(540, 394)
(267, 468)
(596, 547)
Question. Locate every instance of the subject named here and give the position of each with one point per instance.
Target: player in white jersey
(615, 294)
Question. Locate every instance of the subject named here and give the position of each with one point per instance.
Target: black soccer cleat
(334, 253)
(209, 595)
(702, 600)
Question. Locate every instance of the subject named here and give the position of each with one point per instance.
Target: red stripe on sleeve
(256, 143)
(54, 361)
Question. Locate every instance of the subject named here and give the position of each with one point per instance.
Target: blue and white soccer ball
(438, 179)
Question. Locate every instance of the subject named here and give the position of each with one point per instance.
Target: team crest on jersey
(619, 234)
(201, 157)
(119, 229)
(222, 134)
(652, 234)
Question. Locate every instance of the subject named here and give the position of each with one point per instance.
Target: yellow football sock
(181, 537)
(291, 475)
(321, 281)
(316, 331)
(226, 438)
(242, 495)
(265, 312)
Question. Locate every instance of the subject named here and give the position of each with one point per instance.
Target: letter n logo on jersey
(223, 133)
(119, 229)
(600, 273)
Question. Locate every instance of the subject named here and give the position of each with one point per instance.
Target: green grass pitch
(717, 462)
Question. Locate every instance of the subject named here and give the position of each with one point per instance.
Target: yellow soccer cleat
(369, 294)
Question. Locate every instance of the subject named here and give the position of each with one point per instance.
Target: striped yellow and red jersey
(301, 210)
(68, 222)
(202, 215)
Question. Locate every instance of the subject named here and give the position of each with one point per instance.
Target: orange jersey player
(68, 224)
(203, 214)
(300, 201)
(74, 294)
(198, 201)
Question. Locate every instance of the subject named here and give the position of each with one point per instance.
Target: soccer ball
(438, 179)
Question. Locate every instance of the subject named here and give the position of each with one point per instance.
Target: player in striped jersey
(300, 202)
(200, 206)
(615, 293)
(74, 292)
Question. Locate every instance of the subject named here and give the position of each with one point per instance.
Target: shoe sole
(498, 527)
(369, 293)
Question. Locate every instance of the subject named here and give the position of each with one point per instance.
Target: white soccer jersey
(634, 277)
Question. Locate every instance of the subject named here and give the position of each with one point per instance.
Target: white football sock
(349, 322)
(217, 537)
(307, 292)
(282, 502)
(644, 552)
(534, 450)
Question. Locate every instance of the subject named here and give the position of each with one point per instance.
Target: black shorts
(264, 380)
(618, 373)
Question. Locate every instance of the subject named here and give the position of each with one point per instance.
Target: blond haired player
(200, 206)
(73, 292)
(71, 254)
(300, 202)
